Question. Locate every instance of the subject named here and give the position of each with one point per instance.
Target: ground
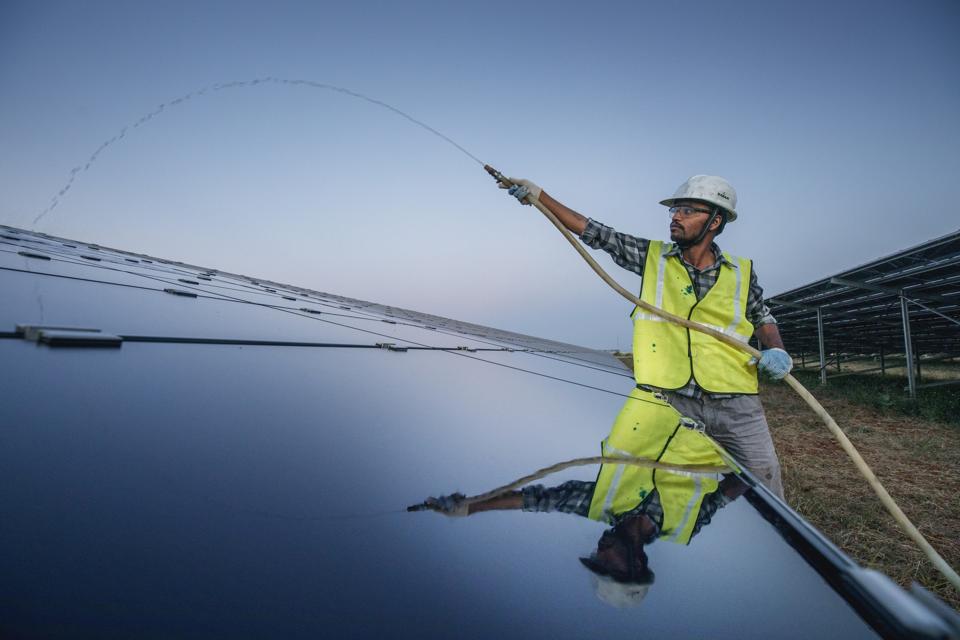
(917, 460)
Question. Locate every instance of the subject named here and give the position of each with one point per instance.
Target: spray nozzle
(499, 177)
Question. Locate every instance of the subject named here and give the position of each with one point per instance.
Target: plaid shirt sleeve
(630, 252)
(573, 496)
(758, 312)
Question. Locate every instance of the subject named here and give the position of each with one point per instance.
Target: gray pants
(739, 426)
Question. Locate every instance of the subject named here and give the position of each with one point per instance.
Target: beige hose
(888, 502)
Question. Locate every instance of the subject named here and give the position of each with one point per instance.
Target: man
(702, 377)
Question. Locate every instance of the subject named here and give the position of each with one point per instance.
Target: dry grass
(916, 459)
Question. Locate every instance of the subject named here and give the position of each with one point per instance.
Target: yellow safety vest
(666, 355)
(650, 428)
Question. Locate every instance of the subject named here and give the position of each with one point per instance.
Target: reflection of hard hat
(621, 595)
(712, 189)
(621, 591)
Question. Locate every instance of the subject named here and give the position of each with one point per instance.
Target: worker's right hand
(452, 506)
(525, 191)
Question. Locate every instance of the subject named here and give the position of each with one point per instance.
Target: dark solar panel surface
(164, 489)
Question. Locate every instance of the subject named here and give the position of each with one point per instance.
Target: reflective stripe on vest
(650, 428)
(666, 355)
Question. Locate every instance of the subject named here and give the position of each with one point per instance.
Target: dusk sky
(836, 122)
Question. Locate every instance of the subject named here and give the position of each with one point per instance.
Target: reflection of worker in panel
(642, 504)
(691, 277)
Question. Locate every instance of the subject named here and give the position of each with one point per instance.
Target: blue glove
(523, 190)
(775, 362)
(519, 191)
(452, 505)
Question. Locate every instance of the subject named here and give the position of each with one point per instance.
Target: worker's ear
(719, 223)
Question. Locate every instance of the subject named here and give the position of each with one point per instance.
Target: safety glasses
(687, 211)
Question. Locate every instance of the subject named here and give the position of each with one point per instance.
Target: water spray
(222, 86)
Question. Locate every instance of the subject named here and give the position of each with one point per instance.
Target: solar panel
(227, 464)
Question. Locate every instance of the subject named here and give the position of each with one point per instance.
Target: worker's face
(687, 227)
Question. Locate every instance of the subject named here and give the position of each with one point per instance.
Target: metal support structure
(793, 305)
(889, 365)
(942, 315)
(823, 351)
(846, 282)
(942, 383)
(883, 364)
(828, 362)
(908, 347)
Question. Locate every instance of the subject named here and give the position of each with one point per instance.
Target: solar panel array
(861, 308)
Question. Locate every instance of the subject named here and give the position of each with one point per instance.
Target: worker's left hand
(774, 362)
(525, 191)
(452, 505)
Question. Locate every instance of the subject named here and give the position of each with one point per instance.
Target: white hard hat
(618, 594)
(712, 189)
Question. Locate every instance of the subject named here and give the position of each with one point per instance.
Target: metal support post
(908, 347)
(883, 367)
(823, 351)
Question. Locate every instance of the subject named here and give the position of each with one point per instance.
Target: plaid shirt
(630, 252)
(574, 496)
